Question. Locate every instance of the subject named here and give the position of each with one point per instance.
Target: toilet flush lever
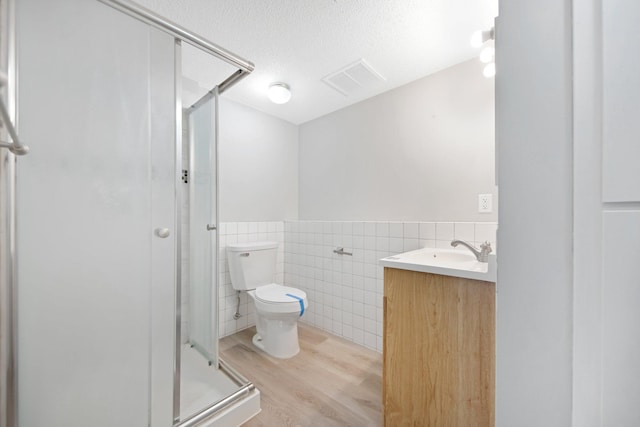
(162, 232)
(210, 227)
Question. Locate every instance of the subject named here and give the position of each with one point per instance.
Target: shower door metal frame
(178, 213)
(245, 387)
(8, 313)
(8, 165)
(136, 11)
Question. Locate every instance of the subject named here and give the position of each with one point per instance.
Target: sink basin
(448, 262)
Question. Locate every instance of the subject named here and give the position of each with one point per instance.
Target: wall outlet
(485, 203)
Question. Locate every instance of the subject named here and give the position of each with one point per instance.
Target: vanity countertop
(447, 262)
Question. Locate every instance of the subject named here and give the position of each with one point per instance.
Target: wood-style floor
(331, 382)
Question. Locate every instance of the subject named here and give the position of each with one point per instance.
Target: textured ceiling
(299, 42)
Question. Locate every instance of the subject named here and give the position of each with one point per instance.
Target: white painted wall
(421, 152)
(258, 160)
(535, 284)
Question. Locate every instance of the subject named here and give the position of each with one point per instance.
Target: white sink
(448, 262)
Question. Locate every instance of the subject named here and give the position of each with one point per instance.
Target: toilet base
(257, 341)
(277, 338)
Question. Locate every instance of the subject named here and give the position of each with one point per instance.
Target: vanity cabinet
(439, 350)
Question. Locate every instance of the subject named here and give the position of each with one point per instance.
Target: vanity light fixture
(279, 93)
(481, 37)
(487, 54)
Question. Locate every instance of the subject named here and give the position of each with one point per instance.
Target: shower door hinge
(185, 176)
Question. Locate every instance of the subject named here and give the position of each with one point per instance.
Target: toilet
(278, 308)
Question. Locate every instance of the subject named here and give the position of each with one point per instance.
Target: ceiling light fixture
(279, 93)
(488, 53)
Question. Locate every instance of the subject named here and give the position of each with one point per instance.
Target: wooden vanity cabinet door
(439, 350)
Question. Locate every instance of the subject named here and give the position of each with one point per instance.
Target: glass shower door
(203, 248)
(96, 222)
(98, 230)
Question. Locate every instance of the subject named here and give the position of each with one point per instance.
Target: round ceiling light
(279, 93)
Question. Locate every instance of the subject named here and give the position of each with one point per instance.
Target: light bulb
(279, 93)
(489, 70)
(486, 54)
(476, 39)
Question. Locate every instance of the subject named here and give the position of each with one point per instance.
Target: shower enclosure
(92, 239)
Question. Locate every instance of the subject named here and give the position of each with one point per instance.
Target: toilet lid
(278, 294)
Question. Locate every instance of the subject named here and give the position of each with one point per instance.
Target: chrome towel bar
(340, 251)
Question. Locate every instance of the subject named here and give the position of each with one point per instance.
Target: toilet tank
(252, 264)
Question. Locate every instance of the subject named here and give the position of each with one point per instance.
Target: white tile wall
(241, 232)
(345, 292)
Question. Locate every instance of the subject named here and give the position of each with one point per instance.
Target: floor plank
(331, 382)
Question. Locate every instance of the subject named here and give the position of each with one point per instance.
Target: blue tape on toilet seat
(300, 300)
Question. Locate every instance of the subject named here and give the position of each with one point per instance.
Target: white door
(606, 213)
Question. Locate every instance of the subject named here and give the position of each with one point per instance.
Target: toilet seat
(275, 293)
(273, 298)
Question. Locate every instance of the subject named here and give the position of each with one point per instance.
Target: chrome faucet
(482, 255)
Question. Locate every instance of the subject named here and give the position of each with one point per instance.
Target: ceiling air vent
(355, 78)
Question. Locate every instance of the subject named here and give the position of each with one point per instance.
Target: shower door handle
(211, 227)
